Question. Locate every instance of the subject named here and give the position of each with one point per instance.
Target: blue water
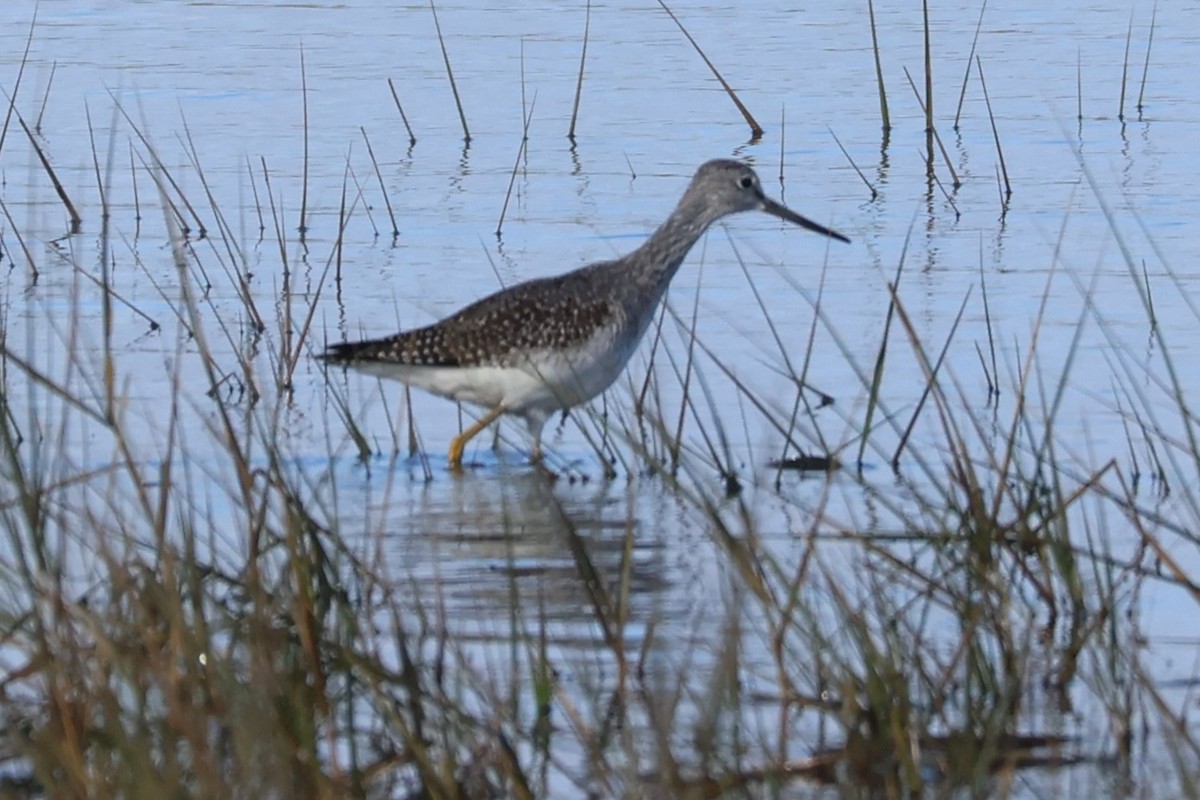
(227, 78)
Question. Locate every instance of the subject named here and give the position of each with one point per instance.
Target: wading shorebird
(549, 344)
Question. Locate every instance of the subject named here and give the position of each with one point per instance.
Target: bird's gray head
(723, 186)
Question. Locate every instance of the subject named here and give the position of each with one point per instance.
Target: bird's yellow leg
(459, 443)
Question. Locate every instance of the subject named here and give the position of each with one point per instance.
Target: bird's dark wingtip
(386, 351)
(340, 354)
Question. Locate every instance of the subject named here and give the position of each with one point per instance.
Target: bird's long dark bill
(783, 212)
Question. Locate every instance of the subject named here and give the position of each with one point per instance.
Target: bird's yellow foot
(459, 444)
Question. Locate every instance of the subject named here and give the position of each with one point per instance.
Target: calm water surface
(220, 83)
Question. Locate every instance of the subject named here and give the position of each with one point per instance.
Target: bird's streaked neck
(660, 256)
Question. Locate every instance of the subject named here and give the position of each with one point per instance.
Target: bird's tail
(347, 353)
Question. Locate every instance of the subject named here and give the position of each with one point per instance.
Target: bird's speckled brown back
(555, 313)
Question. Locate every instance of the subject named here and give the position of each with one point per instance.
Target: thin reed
(462, 117)
(1125, 68)
(756, 130)
(1146, 65)
(962, 92)
(933, 136)
(587, 26)
(885, 118)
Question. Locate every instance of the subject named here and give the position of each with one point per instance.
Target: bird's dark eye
(746, 182)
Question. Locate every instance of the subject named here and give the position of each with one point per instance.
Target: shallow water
(221, 83)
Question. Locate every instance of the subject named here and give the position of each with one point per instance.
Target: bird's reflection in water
(505, 550)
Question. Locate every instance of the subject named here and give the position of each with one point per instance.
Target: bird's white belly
(546, 380)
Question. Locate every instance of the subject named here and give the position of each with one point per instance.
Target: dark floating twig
(450, 74)
(883, 106)
(756, 130)
(995, 133)
(1146, 65)
(412, 140)
(874, 193)
(805, 463)
(587, 24)
(962, 93)
(1125, 68)
(632, 173)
